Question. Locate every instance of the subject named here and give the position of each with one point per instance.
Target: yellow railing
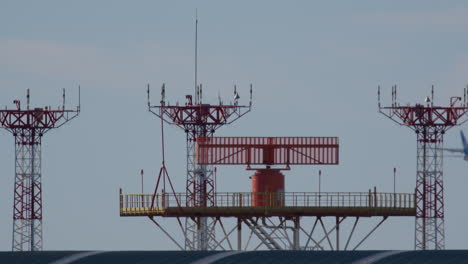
(292, 199)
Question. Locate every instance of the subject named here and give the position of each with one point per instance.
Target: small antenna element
(27, 99)
(378, 95)
(142, 173)
(17, 103)
(163, 94)
(250, 103)
(432, 96)
(236, 95)
(148, 95)
(201, 93)
(63, 101)
(464, 96)
(393, 96)
(320, 181)
(79, 99)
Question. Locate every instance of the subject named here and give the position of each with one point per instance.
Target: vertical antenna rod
(196, 50)
(79, 98)
(27, 100)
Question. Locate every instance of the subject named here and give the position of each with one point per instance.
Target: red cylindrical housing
(268, 188)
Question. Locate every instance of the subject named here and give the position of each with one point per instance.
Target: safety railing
(281, 199)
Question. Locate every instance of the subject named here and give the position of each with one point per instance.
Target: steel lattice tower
(430, 124)
(28, 127)
(199, 120)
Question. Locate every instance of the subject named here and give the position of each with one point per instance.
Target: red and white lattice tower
(430, 124)
(199, 120)
(28, 126)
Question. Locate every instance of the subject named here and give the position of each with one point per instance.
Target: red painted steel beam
(38, 118)
(267, 150)
(421, 115)
(205, 114)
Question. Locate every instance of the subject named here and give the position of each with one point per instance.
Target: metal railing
(285, 199)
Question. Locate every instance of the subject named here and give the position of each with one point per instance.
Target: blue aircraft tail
(465, 144)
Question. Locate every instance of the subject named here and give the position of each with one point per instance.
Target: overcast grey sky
(315, 66)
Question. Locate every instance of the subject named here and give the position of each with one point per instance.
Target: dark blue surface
(428, 256)
(255, 257)
(319, 257)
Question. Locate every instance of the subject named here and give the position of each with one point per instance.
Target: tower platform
(288, 204)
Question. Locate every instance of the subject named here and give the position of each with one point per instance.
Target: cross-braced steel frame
(27, 207)
(199, 120)
(287, 233)
(200, 190)
(292, 233)
(28, 126)
(430, 124)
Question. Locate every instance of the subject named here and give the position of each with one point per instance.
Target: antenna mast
(196, 51)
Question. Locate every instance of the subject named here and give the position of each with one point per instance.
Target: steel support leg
(297, 228)
(337, 233)
(239, 234)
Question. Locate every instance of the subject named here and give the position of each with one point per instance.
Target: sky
(314, 65)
